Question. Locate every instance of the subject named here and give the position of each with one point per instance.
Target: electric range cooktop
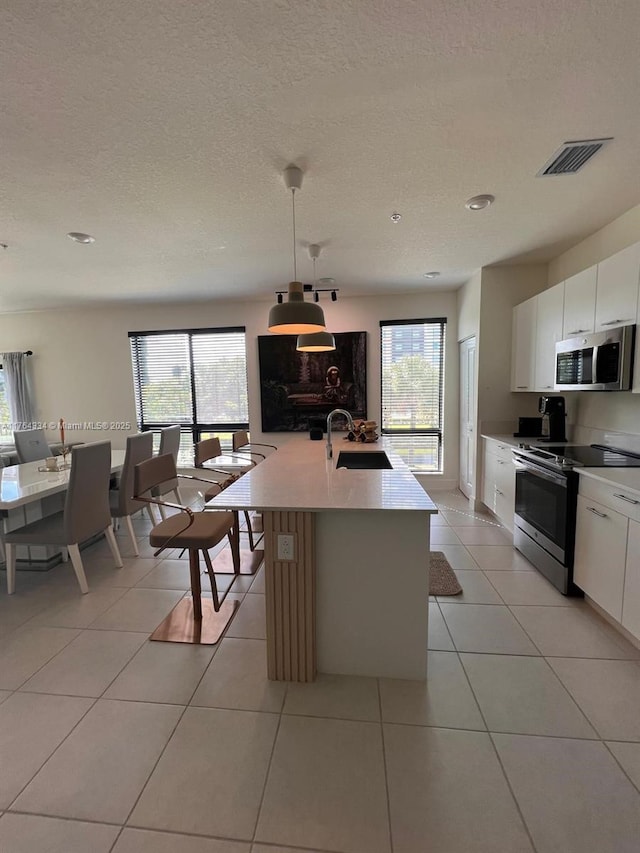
(595, 455)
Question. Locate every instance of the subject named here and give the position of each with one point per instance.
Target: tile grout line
(268, 769)
(384, 762)
(504, 772)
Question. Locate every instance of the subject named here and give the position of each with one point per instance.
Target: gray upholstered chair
(194, 621)
(169, 443)
(31, 445)
(86, 513)
(241, 444)
(209, 449)
(139, 448)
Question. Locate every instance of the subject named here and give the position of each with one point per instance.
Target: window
(413, 390)
(195, 378)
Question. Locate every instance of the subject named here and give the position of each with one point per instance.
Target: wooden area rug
(442, 578)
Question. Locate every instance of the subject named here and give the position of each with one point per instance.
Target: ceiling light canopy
(479, 202)
(318, 342)
(79, 237)
(295, 316)
(432, 274)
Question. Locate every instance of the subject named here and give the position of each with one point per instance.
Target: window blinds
(412, 368)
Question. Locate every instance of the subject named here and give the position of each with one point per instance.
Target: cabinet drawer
(616, 497)
(499, 449)
(601, 551)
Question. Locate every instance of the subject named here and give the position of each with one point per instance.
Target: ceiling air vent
(572, 156)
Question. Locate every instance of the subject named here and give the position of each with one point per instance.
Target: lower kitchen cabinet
(631, 598)
(601, 553)
(499, 481)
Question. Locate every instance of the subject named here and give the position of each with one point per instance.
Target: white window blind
(196, 378)
(412, 356)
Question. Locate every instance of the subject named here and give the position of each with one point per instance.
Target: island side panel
(290, 598)
(372, 598)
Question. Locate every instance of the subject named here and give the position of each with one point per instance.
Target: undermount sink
(365, 459)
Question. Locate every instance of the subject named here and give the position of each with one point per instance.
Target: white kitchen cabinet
(631, 599)
(499, 481)
(580, 303)
(524, 345)
(617, 288)
(549, 323)
(600, 554)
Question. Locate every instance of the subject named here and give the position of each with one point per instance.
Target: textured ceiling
(162, 127)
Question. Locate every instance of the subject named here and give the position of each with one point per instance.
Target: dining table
(29, 492)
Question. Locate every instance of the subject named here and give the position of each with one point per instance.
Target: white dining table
(28, 494)
(26, 484)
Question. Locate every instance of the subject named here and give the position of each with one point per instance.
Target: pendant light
(295, 316)
(316, 341)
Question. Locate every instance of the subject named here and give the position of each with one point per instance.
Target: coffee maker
(553, 419)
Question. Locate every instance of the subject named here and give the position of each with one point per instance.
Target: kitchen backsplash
(608, 418)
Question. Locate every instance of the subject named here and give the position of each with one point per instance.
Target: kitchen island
(346, 562)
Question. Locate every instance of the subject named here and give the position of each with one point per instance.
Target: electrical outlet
(286, 545)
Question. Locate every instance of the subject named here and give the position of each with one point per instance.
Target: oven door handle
(558, 479)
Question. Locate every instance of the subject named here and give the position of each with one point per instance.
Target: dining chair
(86, 513)
(31, 445)
(195, 620)
(209, 449)
(139, 448)
(169, 443)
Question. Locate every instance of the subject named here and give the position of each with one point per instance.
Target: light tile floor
(526, 736)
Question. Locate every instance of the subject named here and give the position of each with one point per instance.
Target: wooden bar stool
(192, 620)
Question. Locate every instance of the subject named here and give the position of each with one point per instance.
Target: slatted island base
(346, 564)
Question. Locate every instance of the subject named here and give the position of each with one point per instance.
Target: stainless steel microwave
(597, 362)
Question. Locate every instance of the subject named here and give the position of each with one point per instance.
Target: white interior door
(467, 416)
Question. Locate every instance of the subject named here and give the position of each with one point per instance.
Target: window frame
(194, 428)
(442, 322)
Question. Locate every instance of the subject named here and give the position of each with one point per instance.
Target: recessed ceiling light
(479, 202)
(396, 217)
(433, 274)
(79, 237)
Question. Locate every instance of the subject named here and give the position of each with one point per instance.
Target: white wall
(617, 235)
(81, 366)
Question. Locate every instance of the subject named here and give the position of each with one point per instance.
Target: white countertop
(24, 484)
(298, 477)
(628, 478)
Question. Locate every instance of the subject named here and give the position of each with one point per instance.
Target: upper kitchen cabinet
(580, 303)
(549, 330)
(617, 288)
(523, 358)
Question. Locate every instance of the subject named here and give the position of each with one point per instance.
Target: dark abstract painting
(299, 389)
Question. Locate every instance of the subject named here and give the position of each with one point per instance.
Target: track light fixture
(334, 296)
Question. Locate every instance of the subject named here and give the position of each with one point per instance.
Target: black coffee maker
(553, 419)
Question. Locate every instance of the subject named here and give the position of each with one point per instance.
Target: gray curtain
(16, 383)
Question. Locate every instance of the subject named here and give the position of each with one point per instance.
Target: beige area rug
(442, 578)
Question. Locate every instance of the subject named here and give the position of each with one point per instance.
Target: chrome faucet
(329, 421)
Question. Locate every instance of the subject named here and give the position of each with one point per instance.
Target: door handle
(498, 492)
(522, 387)
(578, 331)
(625, 498)
(612, 323)
(595, 512)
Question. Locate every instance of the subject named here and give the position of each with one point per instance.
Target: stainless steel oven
(545, 519)
(596, 362)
